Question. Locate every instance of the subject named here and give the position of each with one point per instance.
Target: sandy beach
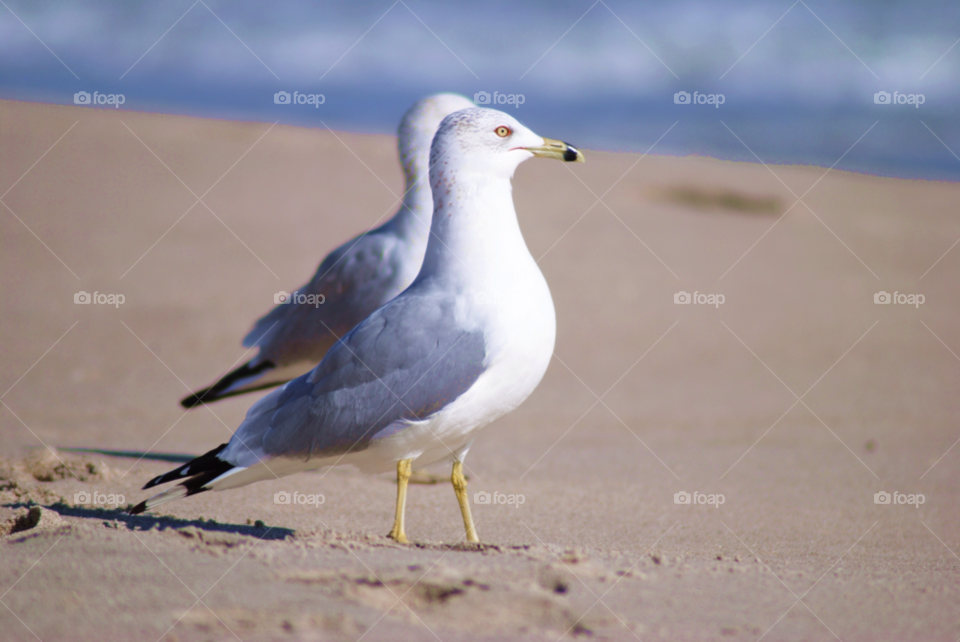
(783, 391)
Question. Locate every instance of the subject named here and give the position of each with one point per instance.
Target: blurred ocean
(798, 79)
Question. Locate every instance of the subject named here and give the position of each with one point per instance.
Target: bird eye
(503, 131)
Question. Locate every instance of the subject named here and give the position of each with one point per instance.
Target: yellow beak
(557, 149)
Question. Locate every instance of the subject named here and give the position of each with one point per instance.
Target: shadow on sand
(175, 458)
(146, 522)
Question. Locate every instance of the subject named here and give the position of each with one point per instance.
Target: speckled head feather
(416, 132)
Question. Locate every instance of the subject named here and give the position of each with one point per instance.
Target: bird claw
(398, 538)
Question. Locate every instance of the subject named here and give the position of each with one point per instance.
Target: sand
(645, 399)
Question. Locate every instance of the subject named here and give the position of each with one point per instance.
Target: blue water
(801, 93)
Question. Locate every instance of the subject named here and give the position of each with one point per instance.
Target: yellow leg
(404, 467)
(460, 488)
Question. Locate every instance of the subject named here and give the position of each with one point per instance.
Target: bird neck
(474, 230)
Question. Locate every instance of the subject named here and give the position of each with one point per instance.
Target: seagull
(465, 344)
(352, 281)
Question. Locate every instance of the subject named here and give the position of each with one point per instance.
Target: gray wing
(403, 363)
(355, 279)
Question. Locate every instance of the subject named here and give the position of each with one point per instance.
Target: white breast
(501, 292)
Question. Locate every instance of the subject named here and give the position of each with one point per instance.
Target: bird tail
(246, 378)
(198, 474)
(162, 498)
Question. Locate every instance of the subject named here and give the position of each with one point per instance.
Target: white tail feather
(169, 495)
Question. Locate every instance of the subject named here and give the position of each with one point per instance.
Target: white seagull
(466, 343)
(353, 280)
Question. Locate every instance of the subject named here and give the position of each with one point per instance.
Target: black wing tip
(156, 481)
(216, 391)
(196, 399)
(205, 396)
(204, 463)
(139, 508)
